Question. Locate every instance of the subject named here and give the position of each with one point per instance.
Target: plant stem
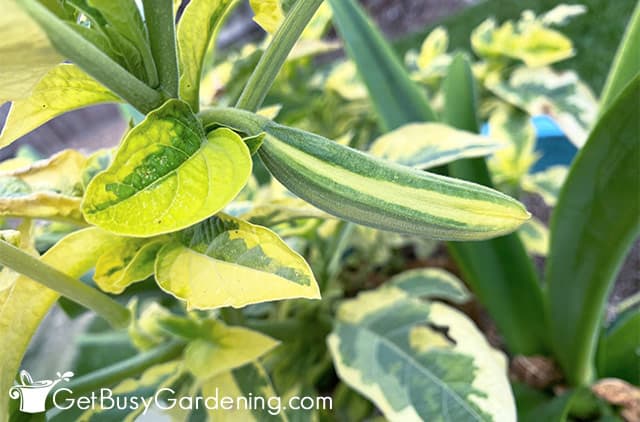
(162, 37)
(275, 55)
(75, 290)
(127, 368)
(93, 60)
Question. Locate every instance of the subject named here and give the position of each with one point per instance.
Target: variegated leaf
(419, 361)
(268, 14)
(560, 95)
(535, 237)
(431, 283)
(250, 380)
(168, 175)
(222, 349)
(224, 261)
(513, 126)
(426, 145)
(433, 46)
(63, 88)
(546, 183)
(123, 265)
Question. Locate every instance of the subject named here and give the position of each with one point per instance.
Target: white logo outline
(33, 395)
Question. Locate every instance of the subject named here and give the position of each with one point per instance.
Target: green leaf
(74, 255)
(513, 127)
(224, 261)
(560, 95)
(223, 349)
(167, 174)
(396, 98)
(490, 268)
(596, 219)
(618, 353)
(63, 88)
(250, 380)
(200, 22)
(546, 183)
(431, 283)
(124, 18)
(419, 361)
(27, 55)
(427, 145)
(548, 409)
(625, 66)
(90, 58)
(123, 265)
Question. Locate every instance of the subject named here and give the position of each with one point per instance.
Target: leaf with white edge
(418, 361)
(27, 55)
(126, 264)
(74, 255)
(250, 380)
(223, 348)
(63, 88)
(562, 13)
(513, 127)
(427, 145)
(200, 21)
(535, 237)
(268, 14)
(224, 261)
(168, 175)
(546, 183)
(431, 283)
(560, 95)
(281, 210)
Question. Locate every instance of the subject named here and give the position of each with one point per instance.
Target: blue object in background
(552, 145)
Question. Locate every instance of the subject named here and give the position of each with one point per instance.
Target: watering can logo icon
(33, 395)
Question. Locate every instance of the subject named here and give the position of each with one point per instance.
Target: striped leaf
(369, 191)
(168, 175)
(224, 261)
(427, 145)
(419, 361)
(63, 88)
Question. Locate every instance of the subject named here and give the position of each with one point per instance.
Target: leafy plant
(214, 227)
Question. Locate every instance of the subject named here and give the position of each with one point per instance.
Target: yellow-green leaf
(123, 265)
(546, 183)
(268, 14)
(419, 361)
(250, 380)
(167, 175)
(63, 88)
(224, 348)
(23, 306)
(431, 283)
(433, 46)
(27, 55)
(225, 261)
(426, 145)
(200, 21)
(47, 189)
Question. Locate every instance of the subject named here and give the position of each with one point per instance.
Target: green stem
(162, 37)
(125, 369)
(30, 266)
(275, 55)
(93, 60)
(244, 121)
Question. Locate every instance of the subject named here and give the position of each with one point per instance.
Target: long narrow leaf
(595, 221)
(396, 98)
(499, 270)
